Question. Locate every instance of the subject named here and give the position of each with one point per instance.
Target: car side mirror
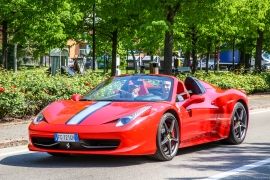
(76, 97)
(193, 100)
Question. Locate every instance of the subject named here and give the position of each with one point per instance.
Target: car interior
(143, 89)
(189, 87)
(181, 90)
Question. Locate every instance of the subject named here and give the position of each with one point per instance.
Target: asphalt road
(250, 160)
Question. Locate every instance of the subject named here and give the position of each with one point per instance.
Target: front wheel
(167, 140)
(239, 124)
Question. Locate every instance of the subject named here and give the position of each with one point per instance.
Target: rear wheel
(167, 139)
(230, 68)
(239, 125)
(58, 154)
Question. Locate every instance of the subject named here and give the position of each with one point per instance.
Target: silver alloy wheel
(240, 123)
(167, 138)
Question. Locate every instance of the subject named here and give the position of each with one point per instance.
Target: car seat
(191, 85)
(143, 89)
(181, 89)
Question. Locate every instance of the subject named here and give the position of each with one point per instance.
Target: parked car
(70, 63)
(88, 63)
(101, 65)
(166, 115)
(266, 66)
(65, 70)
(211, 64)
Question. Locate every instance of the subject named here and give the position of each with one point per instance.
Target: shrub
(251, 83)
(34, 90)
(29, 91)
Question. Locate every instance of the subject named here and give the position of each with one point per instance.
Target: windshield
(137, 88)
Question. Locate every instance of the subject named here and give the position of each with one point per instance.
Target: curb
(13, 143)
(15, 123)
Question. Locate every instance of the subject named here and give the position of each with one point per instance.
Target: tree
(46, 24)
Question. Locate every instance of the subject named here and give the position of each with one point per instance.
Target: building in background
(77, 50)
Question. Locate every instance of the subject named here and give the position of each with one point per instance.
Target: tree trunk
(258, 58)
(114, 53)
(168, 52)
(215, 61)
(168, 47)
(134, 61)
(207, 56)
(187, 59)
(194, 56)
(4, 44)
(15, 58)
(242, 59)
(233, 60)
(41, 61)
(247, 61)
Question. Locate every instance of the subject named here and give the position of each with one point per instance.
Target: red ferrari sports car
(141, 115)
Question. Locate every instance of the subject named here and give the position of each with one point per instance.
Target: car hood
(89, 112)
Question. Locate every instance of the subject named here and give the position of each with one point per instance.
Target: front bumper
(134, 139)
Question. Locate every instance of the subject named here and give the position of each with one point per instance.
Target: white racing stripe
(238, 170)
(14, 152)
(86, 112)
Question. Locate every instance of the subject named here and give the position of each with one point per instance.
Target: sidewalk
(16, 134)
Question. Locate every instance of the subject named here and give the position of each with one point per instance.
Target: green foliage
(27, 92)
(251, 83)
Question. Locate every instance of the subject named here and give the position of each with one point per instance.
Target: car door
(199, 118)
(198, 122)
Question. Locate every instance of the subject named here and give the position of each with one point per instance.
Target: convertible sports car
(141, 115)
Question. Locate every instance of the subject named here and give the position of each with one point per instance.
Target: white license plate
(58, 137)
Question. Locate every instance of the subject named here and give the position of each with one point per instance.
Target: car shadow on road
(44, 160)
(219, 157)
(230, 156)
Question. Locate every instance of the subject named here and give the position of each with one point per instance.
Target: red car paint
(202, 118)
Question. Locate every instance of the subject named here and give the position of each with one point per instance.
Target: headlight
(38, 118)
(127, 119)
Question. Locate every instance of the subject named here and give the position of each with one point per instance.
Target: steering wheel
(158, 93)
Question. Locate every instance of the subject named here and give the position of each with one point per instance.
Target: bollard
(155, 68)
(142, 70)
(151, 67)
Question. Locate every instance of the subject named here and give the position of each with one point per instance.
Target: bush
(249, 82)
(29, 91)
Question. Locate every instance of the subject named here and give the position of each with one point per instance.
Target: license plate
(58, 137)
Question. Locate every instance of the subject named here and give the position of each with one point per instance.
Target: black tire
(58, 154)
(211, 67)
(230, 68)
(239, 124)
(167, 140)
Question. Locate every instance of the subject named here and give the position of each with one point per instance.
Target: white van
(265, 59)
